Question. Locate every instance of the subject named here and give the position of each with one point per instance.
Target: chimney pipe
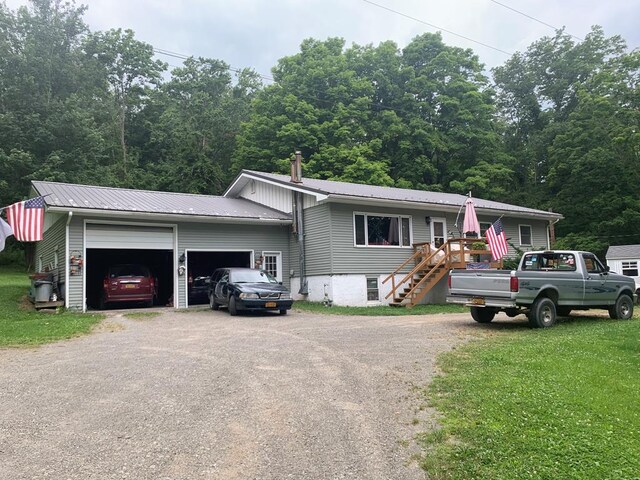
(296, 167)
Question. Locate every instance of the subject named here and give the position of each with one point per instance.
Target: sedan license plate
(130, 285)
(477, 301)
(270, 304)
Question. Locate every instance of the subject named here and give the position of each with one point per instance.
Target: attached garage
(109, 244)
(179, 237)
(202, 263)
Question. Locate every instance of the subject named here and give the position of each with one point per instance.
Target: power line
(161, 51)
(532, 18)
(437, 27)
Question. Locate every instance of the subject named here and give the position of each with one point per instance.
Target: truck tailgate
(476, 286)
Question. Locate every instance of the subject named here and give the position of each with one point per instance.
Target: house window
(382, 230)
(483, 228)
(272, 264)
(372, 289)
(525, 235)
(630, 268)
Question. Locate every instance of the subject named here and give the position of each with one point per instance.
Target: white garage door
(100, 235)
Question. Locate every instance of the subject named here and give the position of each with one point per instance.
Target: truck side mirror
(607, 269)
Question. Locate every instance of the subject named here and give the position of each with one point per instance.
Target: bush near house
(540, 404)
(20, 324)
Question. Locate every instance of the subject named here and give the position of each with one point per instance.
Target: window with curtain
(382, 230)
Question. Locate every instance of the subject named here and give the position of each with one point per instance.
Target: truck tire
(482, 314)
(623, 308)
(542, 313)
(563, 311)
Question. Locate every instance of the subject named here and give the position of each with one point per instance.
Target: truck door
(598, 290)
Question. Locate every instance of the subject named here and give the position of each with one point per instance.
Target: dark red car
(128, 283)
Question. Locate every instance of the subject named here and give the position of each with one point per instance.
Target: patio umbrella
(470, 218)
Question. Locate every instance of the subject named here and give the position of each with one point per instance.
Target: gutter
(185, 217)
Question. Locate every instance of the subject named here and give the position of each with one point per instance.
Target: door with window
(438, 231)
(272, 264)
(597, 287)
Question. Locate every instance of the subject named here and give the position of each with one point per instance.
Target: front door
(438, 231)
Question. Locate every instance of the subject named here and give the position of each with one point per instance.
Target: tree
(129, 69)
(200, 111)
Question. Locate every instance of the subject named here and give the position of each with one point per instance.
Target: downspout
(298, 221)
(67, 272)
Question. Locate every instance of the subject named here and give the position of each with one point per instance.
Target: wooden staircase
(430, 266)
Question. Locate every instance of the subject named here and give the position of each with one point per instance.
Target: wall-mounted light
(427, 220)
(182, 258)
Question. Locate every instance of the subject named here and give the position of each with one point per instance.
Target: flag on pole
(497, 240)
(5, 231)
(27, 219)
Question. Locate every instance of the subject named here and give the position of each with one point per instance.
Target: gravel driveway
(202, 395)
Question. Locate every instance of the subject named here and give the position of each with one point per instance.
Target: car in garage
(198, 289)
(128, 283)
(247, 289)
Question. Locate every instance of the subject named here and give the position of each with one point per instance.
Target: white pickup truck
(545, 285)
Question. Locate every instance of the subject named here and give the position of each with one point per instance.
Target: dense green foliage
(540, 404)
(557, 127)
(21, 325)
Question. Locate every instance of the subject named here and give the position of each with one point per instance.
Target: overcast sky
(256, 33)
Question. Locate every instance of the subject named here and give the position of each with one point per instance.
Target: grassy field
(559, 403)
(378, 311)
(21, 325)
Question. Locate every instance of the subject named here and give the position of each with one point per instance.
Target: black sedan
(247, 289)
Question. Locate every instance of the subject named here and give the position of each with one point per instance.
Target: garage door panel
(129, 237)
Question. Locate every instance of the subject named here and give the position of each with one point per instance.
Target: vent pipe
(296, 167)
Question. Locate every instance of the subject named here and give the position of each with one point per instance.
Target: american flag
(27, 219)
(497, 240)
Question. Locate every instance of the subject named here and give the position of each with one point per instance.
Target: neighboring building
(625, 259)
(341, 239)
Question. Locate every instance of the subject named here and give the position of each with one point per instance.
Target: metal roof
(373, 192)
(623, 251)
(72, 196)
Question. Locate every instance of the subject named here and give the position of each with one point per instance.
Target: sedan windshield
(251, 276)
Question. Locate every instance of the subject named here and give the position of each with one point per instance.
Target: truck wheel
(623, 308)
(542, 313)
(563, 311)
(482, 314)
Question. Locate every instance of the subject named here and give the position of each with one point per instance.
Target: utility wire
(437, 27)
(532, 18)
(181, 56)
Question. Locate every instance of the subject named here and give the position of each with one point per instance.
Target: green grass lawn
(558, 403)
(21, 325)
(378, 311)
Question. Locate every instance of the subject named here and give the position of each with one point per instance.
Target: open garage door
(200, 266)
(108, 245)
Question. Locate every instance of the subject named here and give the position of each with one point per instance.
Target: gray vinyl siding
(256, 238)
(318, 233)
(76, 244)
(349, 259)
(52, 239)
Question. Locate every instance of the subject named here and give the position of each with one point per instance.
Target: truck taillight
(449, 281)
(514, 284)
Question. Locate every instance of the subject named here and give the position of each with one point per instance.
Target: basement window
(373, 230)
(372, 289)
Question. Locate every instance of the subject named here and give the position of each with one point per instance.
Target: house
(323, 239)
(624, 259)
